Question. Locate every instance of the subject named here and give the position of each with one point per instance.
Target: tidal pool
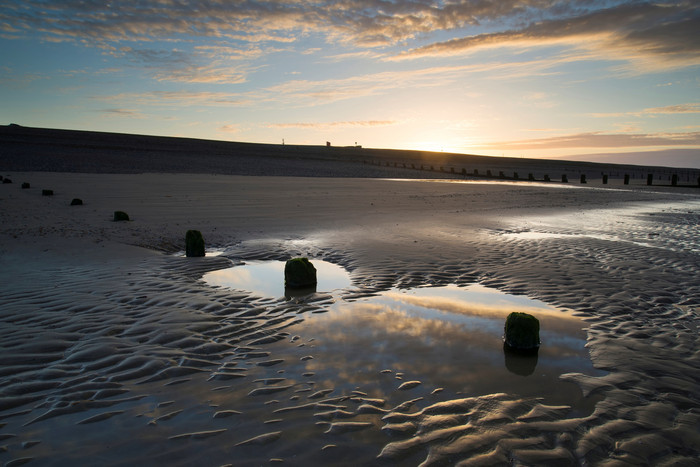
(449, 338)
(266, 278)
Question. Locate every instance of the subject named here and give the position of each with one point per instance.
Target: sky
(585, 79)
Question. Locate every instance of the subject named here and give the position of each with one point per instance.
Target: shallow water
(449, 338)
(266, 278)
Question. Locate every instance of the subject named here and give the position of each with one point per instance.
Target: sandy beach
(117, 352)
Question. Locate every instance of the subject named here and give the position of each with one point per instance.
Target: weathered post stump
(120, 216)
(650, 179)
(605, 179)
(546, 178)
(531, 177)
(46, 192)
(194, 243)
(299, 273)
(26, 185)
(522, 332)
(76, 202)
(583, 178)
(674, 179)
(564, 179)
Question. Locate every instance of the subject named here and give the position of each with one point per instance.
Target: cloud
(648, 37)
(323, 125)
(127, 113)
(369, 23)
(601, 140)
(230, 128)
(305, 93)
(688, 108)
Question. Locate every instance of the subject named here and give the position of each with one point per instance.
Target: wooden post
(605, 179)
(674, 180)
(564, 179)
(627, 179)
(650, 179)
(583, 178)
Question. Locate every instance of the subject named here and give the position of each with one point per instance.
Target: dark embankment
(37, 149)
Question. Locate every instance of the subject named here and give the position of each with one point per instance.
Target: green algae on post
(194, 243)
(298, 273)
(522, 331)
(120, 216)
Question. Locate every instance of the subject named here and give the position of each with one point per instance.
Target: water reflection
(520, 363)
(266, 278)
(449, 337)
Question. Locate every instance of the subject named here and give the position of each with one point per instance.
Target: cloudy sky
(533, 78)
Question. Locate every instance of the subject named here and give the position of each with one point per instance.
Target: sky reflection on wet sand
(446, 337)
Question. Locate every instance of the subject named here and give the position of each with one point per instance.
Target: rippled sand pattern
(142, 362)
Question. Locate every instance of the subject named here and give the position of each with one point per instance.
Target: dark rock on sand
(120, 216)
(25, 185)
(76, 202)
(298, 273)
(6, 180)
(522, 331)
(194, 243)
(46, 192)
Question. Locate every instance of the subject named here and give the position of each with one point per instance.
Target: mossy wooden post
(564, 179)
(194, 243)
(605, 179)
(299, 273)
(531, 177)
(515, 175)
(650, 179)
(583, 178)
(546, 178)
(120, 216)
(627, 179)
(522, 332)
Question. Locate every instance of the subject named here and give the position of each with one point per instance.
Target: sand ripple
(144, 350)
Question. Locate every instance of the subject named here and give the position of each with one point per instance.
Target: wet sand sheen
(115, 354)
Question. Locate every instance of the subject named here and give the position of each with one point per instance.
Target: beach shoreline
(105, 326)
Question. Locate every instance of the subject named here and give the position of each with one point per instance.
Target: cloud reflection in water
(448, 337)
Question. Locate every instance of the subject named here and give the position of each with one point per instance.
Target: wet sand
(115, 351)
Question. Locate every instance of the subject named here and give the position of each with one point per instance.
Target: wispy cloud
(601, 140)
(305, 93)
(647, 37)
(688, 108)
(126, 113)
(322, 125)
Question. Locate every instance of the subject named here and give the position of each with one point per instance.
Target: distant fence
(650, 176)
